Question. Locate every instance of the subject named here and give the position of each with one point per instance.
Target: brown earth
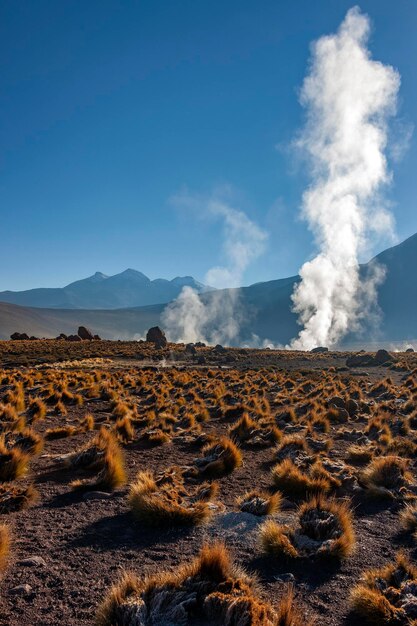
(86, 543)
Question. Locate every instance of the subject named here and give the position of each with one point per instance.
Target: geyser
(349, 98)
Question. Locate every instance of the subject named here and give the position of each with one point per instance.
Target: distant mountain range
(264, 308)
(127, 289)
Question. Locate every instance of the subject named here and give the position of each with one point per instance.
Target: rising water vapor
(215, 318)
(349, 99)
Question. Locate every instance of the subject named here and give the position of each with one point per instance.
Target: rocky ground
(70, 546)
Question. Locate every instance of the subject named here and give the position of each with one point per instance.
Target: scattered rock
(319, 349)
(190, 348)
(219, 348)
(337, 401)
(156, 336)
(359, 360)
(22, 590)
(97, 495)
(352, 407)
(383, 356)
(62, 336)
(19, 337)
(85, 333)
(73, 338)
(33, 561)
(97, 337)
(285, 578)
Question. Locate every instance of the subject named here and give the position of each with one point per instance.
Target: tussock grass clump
(36, 410)
(26, 440)
(110, 460)
(124, 430)
(325, 528)
(155, 437)
(221, 457)
(259, 502)
(293, 447)
(5, 541)
(387, 476)
(294, 483)
(337, 415)
(14, 498)
(103, 455)
(319, 423)
(247, 431)
(408, 518)
(210, 588)
(60, 432)
(387, 595)
(60, 409)
(13, 463)
(87, 422)
(359, 454)
(10, 419)
(166, 501)
(277, 540)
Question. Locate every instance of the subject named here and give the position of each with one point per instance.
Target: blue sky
(109, 109)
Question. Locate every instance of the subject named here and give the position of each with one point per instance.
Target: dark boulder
(337, 401)
(19, 337)
(62, 337)
(383, 357)
(220, 349)
(97, 337)
(319, 350)
(74, 338)
(85, 333)
(156, 336)
(360, 360)
(410, 350)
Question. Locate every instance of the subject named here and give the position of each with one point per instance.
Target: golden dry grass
(325, 528)
(167, 503)
(211, 586)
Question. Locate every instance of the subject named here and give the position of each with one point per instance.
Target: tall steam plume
(215, 318)
(349, 98)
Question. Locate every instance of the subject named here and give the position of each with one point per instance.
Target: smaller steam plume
(216, 317)
(349, 99)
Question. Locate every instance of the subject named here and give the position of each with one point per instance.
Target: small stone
(22, 590)
(33, 561)
(97, 495)
(285, 578)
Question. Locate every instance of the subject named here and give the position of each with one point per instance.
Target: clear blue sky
(110, 108)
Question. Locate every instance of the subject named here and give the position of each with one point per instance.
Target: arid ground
(117, 456)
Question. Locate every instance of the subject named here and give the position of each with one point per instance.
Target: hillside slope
(264, 307)
(127, 289)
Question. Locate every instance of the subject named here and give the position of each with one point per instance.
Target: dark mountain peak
(182, 279)
(99, 276)
(131, 273)
(189, 281)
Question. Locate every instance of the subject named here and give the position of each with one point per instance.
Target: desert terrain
(171, 463)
